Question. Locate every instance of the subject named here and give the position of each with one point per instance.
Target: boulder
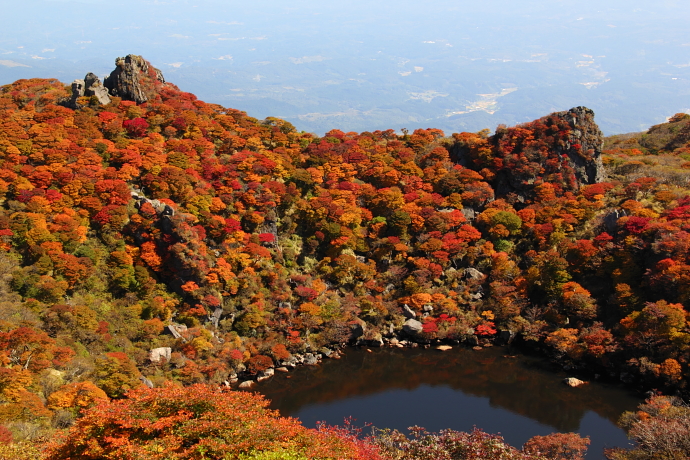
(408, 312)
(474, 273)
(357, 329)
(156, 355)
(290, 362)
(146, 381)
(472, 340)
(264, 376)
(412, 327)
(376, 340)
(246, 385)
(444, 347)
(310, 360)
(573, 382)
(327, 352)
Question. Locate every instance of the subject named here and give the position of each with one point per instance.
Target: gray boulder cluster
(90, 86)
(134, 79)
(294, 361)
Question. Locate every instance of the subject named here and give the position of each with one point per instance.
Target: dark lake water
(459, 389)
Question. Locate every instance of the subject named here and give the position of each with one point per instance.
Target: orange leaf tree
(195, 422)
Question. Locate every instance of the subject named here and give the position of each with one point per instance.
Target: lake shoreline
(397, 388)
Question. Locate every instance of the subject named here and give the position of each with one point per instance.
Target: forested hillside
(229, 245)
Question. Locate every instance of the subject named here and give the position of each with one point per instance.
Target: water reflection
(456, 389)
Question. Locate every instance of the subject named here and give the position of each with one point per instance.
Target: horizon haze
(457, 66)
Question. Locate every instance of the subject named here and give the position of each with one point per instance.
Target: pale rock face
(94, 87)
(78, 88)
(158, 354)
(246, 385)
(412, 327)
(90, 86)
(474, 273)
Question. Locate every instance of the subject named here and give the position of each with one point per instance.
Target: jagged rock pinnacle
(134, 79)
(585, 132)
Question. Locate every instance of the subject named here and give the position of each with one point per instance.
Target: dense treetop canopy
(253, 241)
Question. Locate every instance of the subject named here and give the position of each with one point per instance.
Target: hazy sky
(458, 65)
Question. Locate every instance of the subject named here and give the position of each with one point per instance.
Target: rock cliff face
(585, 132)
(134, 79)
(563, 148)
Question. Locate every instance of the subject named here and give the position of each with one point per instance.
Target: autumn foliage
(191, 423)
(237, 242)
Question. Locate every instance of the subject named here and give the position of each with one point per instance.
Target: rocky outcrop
(563, 146)
(89, 86)
(582, 149)
(586, 160)
(134, 79)
(94, 87)
(161, 209)
(157, 355)
(611, 219)
(77, 92)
